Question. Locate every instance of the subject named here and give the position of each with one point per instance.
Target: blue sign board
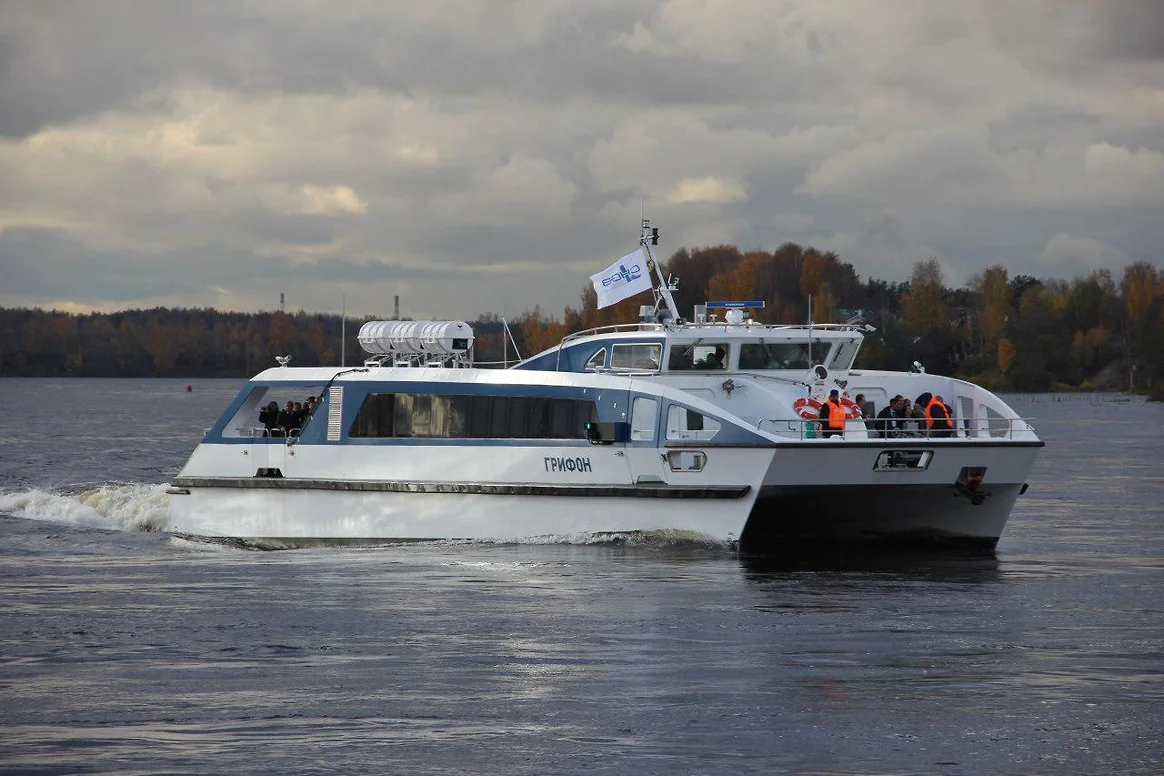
(735, 305)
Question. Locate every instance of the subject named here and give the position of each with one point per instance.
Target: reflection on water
(920, 564)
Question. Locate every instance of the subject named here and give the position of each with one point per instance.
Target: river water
(125, 650)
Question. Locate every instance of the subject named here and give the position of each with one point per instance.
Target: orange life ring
(809, 409)
(851, 408)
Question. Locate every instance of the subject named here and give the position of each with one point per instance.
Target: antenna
(649, 237)
(810, 328)
(343, 329)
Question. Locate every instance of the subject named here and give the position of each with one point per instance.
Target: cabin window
(902, 460)
(246, 422)
(636, 357)
(684, 423)
(480, 408)
(844, 355)
(377, 413)
(699, 356)
(597, 361)
(774, 355)
(518, 411)
(430, 416)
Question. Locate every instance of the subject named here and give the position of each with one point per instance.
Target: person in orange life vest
(832, 415)
(938, 421)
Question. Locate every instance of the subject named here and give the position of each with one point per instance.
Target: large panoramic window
(432, 416)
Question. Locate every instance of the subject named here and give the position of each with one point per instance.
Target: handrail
(993, 429)
(632, 327)
(612, 329)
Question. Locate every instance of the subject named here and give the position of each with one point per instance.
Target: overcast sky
(490, 156)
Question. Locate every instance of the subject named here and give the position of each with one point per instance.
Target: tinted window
(476, 417)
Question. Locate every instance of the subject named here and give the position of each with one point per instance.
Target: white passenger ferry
(703, 428)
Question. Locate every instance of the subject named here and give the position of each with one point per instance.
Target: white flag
(626, 277)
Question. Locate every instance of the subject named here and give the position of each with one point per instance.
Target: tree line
(1007, 333)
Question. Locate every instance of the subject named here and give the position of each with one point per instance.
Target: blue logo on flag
(624, 274)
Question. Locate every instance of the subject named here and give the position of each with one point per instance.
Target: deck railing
(966, 428)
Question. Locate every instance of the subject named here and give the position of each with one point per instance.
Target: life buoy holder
(809, 409)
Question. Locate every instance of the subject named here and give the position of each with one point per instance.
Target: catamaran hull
(857, 501)
(287, 510)
(815, 492)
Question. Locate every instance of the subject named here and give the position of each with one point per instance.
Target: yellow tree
(539, 331)
(281, 331)
(924, 308)
(1006, 354)
(1140, 287)
(994, 304)
(814, 285)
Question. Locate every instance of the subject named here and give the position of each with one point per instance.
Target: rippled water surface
(126, 650)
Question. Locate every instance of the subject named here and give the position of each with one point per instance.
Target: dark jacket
(269, 418)
(887, 420)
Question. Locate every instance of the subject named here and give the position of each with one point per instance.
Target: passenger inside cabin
(269, 416)
(287, 420)
(715, 360)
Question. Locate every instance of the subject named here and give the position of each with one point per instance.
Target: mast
(663, 298)
(810, 329)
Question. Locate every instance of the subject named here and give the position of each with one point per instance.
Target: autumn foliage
(1020, 333)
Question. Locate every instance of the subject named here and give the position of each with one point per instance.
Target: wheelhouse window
(699, 356)
(843, 356)
(432, 416)
(597, 361)
(636, 357)
(774, 355)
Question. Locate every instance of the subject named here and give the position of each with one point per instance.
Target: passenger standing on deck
(889, 422)
(938, 421)
(917, 413)
(832, 415)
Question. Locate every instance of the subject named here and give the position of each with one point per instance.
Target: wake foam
(117, 506)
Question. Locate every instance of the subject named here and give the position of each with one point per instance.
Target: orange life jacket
(939, 419)
(836, 415)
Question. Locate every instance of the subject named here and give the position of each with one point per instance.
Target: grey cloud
(894, 132)
(67, 60)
